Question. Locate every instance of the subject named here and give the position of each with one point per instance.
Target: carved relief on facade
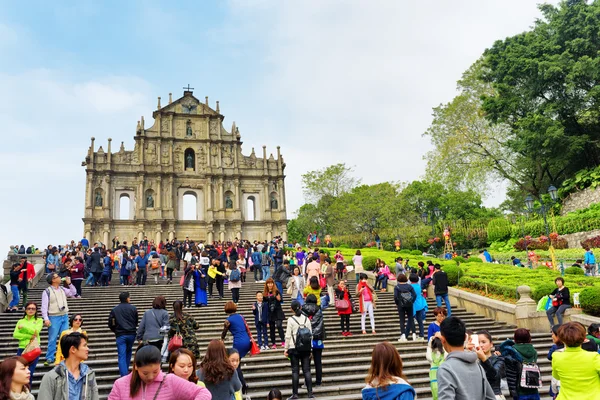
(178, 161)
(180, 128)
(151, 154)
(164, 126)
(165, 155)
(202, 157)
(227, 155)
(214, 126)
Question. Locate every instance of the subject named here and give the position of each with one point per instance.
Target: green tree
(468, 151)
(334, 180)
(545, 87)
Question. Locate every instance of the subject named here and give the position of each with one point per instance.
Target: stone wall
(580, 200)
(575, 239)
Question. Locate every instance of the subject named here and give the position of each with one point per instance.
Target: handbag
(51, 267)
(254, 349)
(32, 350)
(290, 288)
(342, 304)
(322, 282)
(176, 342)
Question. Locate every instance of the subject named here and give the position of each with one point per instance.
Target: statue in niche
(189, 161)
(98, 202)
(150, 201)
(274, 203)
(188, 129)
(228, 202)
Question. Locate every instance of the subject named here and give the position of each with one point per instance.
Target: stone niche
(186, 176)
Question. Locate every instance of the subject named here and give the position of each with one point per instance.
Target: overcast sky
(328, 81)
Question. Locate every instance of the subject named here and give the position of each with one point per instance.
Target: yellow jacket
(213, 272)
(59, 354)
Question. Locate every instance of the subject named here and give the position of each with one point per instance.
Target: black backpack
(303, 341)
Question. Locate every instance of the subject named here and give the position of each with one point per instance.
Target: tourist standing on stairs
(265, 263)
(77, 275)
(185, 325)
(72, 378)
(460, 377)
(419, 306)
(317, 323)
(27, 275)
(298, 346)
(440, 314)
(358, 267)
(182, 363)
(123, 321)
(55, 310)
(220, 279)
(367, 298)
(200, 278)
(188, 284)
(404, 297)
(148, 382)
(344, 310)
(152, 321)
(217, 372)
(272, 297)
(96, 266)
(27, 329)
(234, 279)
(172, 263)
(385, 379)
(15, 281)
(260, 309)
(14, 378)
(141, 265)
(236, 324)
(440, 286)
(256, 259)
(492, 364)
(295, 285)
(75, 323)
(515, 353)
(435, 355)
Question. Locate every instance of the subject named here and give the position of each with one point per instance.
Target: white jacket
(292, 329)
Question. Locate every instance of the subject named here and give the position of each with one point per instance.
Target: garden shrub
(416, 253)
(498, 229)
(369, 263)
(542, 290)
(589, 298)
(574, 271)
(459, 260)
(453, 273)
(591, 242)
(475, 260)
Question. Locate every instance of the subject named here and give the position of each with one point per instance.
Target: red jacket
(30, 272)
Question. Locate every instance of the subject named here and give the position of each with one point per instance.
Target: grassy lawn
(498, 281)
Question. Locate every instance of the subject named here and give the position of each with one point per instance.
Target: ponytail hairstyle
(436, 345)
(145, 355)
(296, 307)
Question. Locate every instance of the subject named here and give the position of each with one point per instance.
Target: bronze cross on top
(188, 88)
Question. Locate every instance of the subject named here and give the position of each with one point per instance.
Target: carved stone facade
(187, 152)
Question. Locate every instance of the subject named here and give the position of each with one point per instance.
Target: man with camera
(55, 310)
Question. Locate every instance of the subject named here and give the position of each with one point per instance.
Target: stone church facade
(187, 155)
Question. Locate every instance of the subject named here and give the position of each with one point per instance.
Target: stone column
(88, 236)
(266, 197)
(221, 194)
(159, 195)
(236, 186)
(106, 239)
(90, 190)
(281, 193)
(158, 235)
(209, 193)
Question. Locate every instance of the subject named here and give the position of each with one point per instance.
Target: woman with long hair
(313, 288)
(183, 364)
(342, 293)
(272, 297)
(200, 281)
(147, 381)
(14, 379)
(75, 323)
(28, 328)
(185, 325)
(217, 372)
(385, 379)
(491, 363)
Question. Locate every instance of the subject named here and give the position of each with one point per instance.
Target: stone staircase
(345, 360)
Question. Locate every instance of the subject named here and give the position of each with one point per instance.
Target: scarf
(24, 395)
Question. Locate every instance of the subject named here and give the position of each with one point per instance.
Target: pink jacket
(174, 388)
(312, 269)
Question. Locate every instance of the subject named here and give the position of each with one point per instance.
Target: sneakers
(344, 334)
(348, 333)
(293, 397)
(402, 338)
(282, 345)
(274, 347)
(414, 337)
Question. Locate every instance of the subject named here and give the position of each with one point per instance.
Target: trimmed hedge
(453, 273)
(475, 260)
(369, 262)
(574, 271)
(589, 298)
(542, 290)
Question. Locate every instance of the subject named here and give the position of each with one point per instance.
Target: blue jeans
(528, 397)
(266, 272)
(261, 334)
(438, 300)
(381, 282)
(32, 366)
(558, 311)
(420, 316)
(15, 296)
(124, 345)
(58, 323)
(90, 279)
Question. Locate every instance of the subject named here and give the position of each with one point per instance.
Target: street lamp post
(544, 208)
(435, 216)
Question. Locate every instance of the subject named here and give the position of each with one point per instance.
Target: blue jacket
(488, 256)
(256, 258)
(420, 302)
(395, 391)
(589, 258)
(264, 314)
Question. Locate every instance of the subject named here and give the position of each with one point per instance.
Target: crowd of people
(296, 284)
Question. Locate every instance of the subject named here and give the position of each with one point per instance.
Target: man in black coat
(96, 265)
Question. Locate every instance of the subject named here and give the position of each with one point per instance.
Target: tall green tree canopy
(545, 87)
(331, 181)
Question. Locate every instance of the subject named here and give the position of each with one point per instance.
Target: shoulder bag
(176, 342)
